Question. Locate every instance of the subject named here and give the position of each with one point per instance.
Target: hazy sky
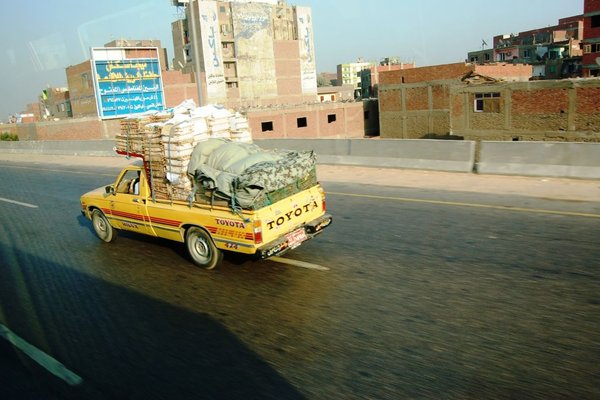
(40, 38)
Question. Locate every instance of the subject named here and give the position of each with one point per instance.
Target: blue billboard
(128, 86)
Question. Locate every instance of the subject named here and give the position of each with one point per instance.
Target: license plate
(295, 238)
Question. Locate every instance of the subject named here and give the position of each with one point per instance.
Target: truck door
(128, 204)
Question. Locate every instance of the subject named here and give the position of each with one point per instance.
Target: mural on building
(126, 84)
(307, 52)
(211, 49)
(253, 35)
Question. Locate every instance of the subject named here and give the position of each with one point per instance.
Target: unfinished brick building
(497, 103)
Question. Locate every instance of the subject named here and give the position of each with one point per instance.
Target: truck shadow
(122, 343)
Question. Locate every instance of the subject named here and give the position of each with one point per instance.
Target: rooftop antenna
(483, 44)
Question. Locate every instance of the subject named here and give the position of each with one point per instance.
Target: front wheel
(102, 227)
(202, 249)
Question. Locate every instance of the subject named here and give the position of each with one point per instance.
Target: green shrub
(10, 137)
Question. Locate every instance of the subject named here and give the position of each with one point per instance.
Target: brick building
(591, 38)
(55, 103)
(490, 102)
(369, 77)
(554, 51)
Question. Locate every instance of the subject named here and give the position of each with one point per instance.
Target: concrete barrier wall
(61, 147)
(440, 155)
(559, 159)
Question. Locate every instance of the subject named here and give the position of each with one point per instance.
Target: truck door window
(129, 183)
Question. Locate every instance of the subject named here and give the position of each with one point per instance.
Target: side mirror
(110, 189)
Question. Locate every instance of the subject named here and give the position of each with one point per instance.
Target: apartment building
(350, 74)
(251, 54)
(553, 51)
(591, 38)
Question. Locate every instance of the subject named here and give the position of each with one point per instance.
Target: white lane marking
(18, 202)
(46, 361)
(297, 263)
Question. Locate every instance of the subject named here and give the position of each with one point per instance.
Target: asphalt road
(427, 294)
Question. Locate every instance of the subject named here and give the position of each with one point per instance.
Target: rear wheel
(102, 227)
(202, 249)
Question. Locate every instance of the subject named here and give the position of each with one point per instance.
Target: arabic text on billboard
(127, 86)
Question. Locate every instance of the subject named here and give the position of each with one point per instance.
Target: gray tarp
(242, 172)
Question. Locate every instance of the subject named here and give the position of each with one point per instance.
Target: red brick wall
(588, 100)
(540, 101)
(417, 98)
(390, 100)
(174, 77)
(519, 72)
(425, 74)
(287, 68)
(440, 97)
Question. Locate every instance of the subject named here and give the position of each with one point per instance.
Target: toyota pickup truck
(207, 229)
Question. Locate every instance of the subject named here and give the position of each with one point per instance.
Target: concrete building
(55, 104)
(554, 51)
(487, 102)
(591, 38)
(350, 74)
(252, 54)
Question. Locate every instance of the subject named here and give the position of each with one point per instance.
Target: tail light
(258, 232)
(323, 202)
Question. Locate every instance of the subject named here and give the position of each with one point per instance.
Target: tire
(102, 227)
(201, 248)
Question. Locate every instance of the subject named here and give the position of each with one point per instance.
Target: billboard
(127, 81)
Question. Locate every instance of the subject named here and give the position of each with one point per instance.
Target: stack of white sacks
(189, 126)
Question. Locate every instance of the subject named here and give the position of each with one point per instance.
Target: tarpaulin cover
(242, 173)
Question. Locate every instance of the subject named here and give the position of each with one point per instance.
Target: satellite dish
(598, 60)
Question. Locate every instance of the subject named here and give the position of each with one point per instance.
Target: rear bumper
(282, 245)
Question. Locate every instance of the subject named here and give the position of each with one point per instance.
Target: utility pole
(195, 49)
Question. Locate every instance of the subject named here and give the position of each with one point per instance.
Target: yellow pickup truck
(206, 228)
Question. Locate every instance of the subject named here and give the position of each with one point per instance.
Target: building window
(595, 19)
(486, 57)
(301, 122)
(331, 118)
(366, 115)
(487, 102)
(526, 54)
(266, 126)
(231, 85)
